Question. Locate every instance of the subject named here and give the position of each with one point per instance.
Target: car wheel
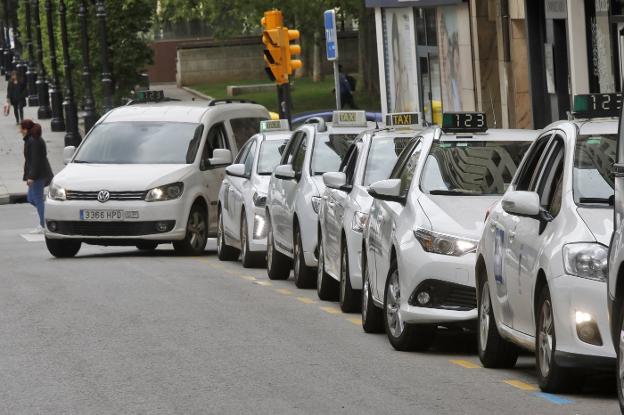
(551, 377)
(372, 316)
(350, 299)
(147, 245)
(194, 243)
(224, 251)
(620, 359)
(278, 264)
(494, 351)
(326, 286)
(403, 336)
(248, 258)
(63, 248)
(303, 275)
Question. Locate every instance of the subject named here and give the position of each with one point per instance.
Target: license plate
(108, 215)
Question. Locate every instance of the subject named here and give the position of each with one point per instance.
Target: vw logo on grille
(103, 196)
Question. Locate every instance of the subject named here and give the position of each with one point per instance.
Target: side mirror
(389, 190)
(68, 153)
(220, 157)
(521, 203)
(285, 172)
(236, 170)
(335, 180)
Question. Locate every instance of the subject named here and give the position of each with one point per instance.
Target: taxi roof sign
(149, 96)
(597, 105)
(349, 119)
(274, 125)
(403, 119)
(464, 122)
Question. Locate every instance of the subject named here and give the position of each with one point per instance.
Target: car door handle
(331, 204)
(512, 236)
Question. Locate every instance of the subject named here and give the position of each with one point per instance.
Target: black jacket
(36, 165)
(16, 93)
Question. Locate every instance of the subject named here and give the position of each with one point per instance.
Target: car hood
(599, 221)
(457, 215)
(129, 177)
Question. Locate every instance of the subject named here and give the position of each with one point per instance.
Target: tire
(225, 252)
(326, 286)
(248, 258)
(551, 377)
(402, 336)
(372, 316)
(278, 264)
(350, 299)
(620, 358)
(194, 242)
(63, 248)
(147, 245)
(494, 351)
(304, 276)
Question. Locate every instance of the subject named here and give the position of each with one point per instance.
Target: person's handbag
(6, 109)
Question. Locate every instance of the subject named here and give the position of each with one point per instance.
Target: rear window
(329, 151)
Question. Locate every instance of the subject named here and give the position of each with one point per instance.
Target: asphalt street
(119, 331)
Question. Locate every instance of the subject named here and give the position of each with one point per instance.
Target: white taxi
(542, 261)
(146, 174)
(295, 189)
(424, 226)
(242, 198)
(346, 202)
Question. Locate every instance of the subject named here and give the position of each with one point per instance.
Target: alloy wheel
(393, 304)
(219, 234)
(197, 229)
(343, 275)
(545, 341)
(297, 270)
(484, 316)
(365, 294)
(244, 238)
(270, 249)
(321, 265)
(621, 362)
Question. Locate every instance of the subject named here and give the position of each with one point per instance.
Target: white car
(147, 174)
(242, 198)
(345, 205)
(295, 190)
(541, 266)
(424, 225)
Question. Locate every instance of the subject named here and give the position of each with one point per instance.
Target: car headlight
(316, 203)
(56, 192)
(360, 220)
(167, 192)
(586, 260)
(439, 243)
(259, 200)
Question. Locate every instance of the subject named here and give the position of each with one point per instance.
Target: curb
(196, 93)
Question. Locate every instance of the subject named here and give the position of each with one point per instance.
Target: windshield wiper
(453, 193)
(598, 200)
(81, 162)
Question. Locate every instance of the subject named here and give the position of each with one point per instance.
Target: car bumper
(418, 269)
(570, 294)
(66, 215)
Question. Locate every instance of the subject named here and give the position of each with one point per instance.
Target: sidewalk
(12, 188)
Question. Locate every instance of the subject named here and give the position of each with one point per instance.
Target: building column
(577, 48)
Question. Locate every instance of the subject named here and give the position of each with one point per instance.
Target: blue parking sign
(331, 35)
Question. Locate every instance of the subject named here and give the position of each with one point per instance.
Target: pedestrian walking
(16, 96)
(37, 171)
(347, 88)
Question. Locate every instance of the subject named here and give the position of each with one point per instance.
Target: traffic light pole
(284, 102)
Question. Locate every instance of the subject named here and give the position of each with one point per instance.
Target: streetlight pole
(107, 81)
(56, 98)
(31, 76)
(44, 112)
(90, 116)
(72, 135)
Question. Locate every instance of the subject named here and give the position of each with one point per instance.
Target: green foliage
(129, 24)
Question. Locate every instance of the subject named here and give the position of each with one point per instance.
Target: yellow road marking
(284, 291)
(306, 300)
(248, 277)
(465, 364)
(521, 385)
(331, 310)
(355, 320)
(264, 283)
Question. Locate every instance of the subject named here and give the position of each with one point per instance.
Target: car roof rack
(214, 102)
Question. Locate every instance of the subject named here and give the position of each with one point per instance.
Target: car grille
(446, 295)
(81, 228)
(77, 195)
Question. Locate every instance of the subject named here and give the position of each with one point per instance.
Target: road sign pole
(331, 44)
(337, 84)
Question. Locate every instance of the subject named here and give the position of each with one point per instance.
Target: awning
(410, 3)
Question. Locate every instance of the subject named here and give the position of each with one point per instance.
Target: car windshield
(329, 151)
(141, 143)
(471, 168)
(270, 156)
(382, 156)
(592, 175)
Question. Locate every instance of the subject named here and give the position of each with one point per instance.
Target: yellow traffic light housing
(291, 50)
(273, 52)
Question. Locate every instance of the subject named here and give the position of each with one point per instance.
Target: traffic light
(291, 64)
(273, 52)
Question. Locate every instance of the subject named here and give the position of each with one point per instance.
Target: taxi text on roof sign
(149, 96)
(464, 122)
(403, 119)
(274, 125)
(349, 119)
(597, 105)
